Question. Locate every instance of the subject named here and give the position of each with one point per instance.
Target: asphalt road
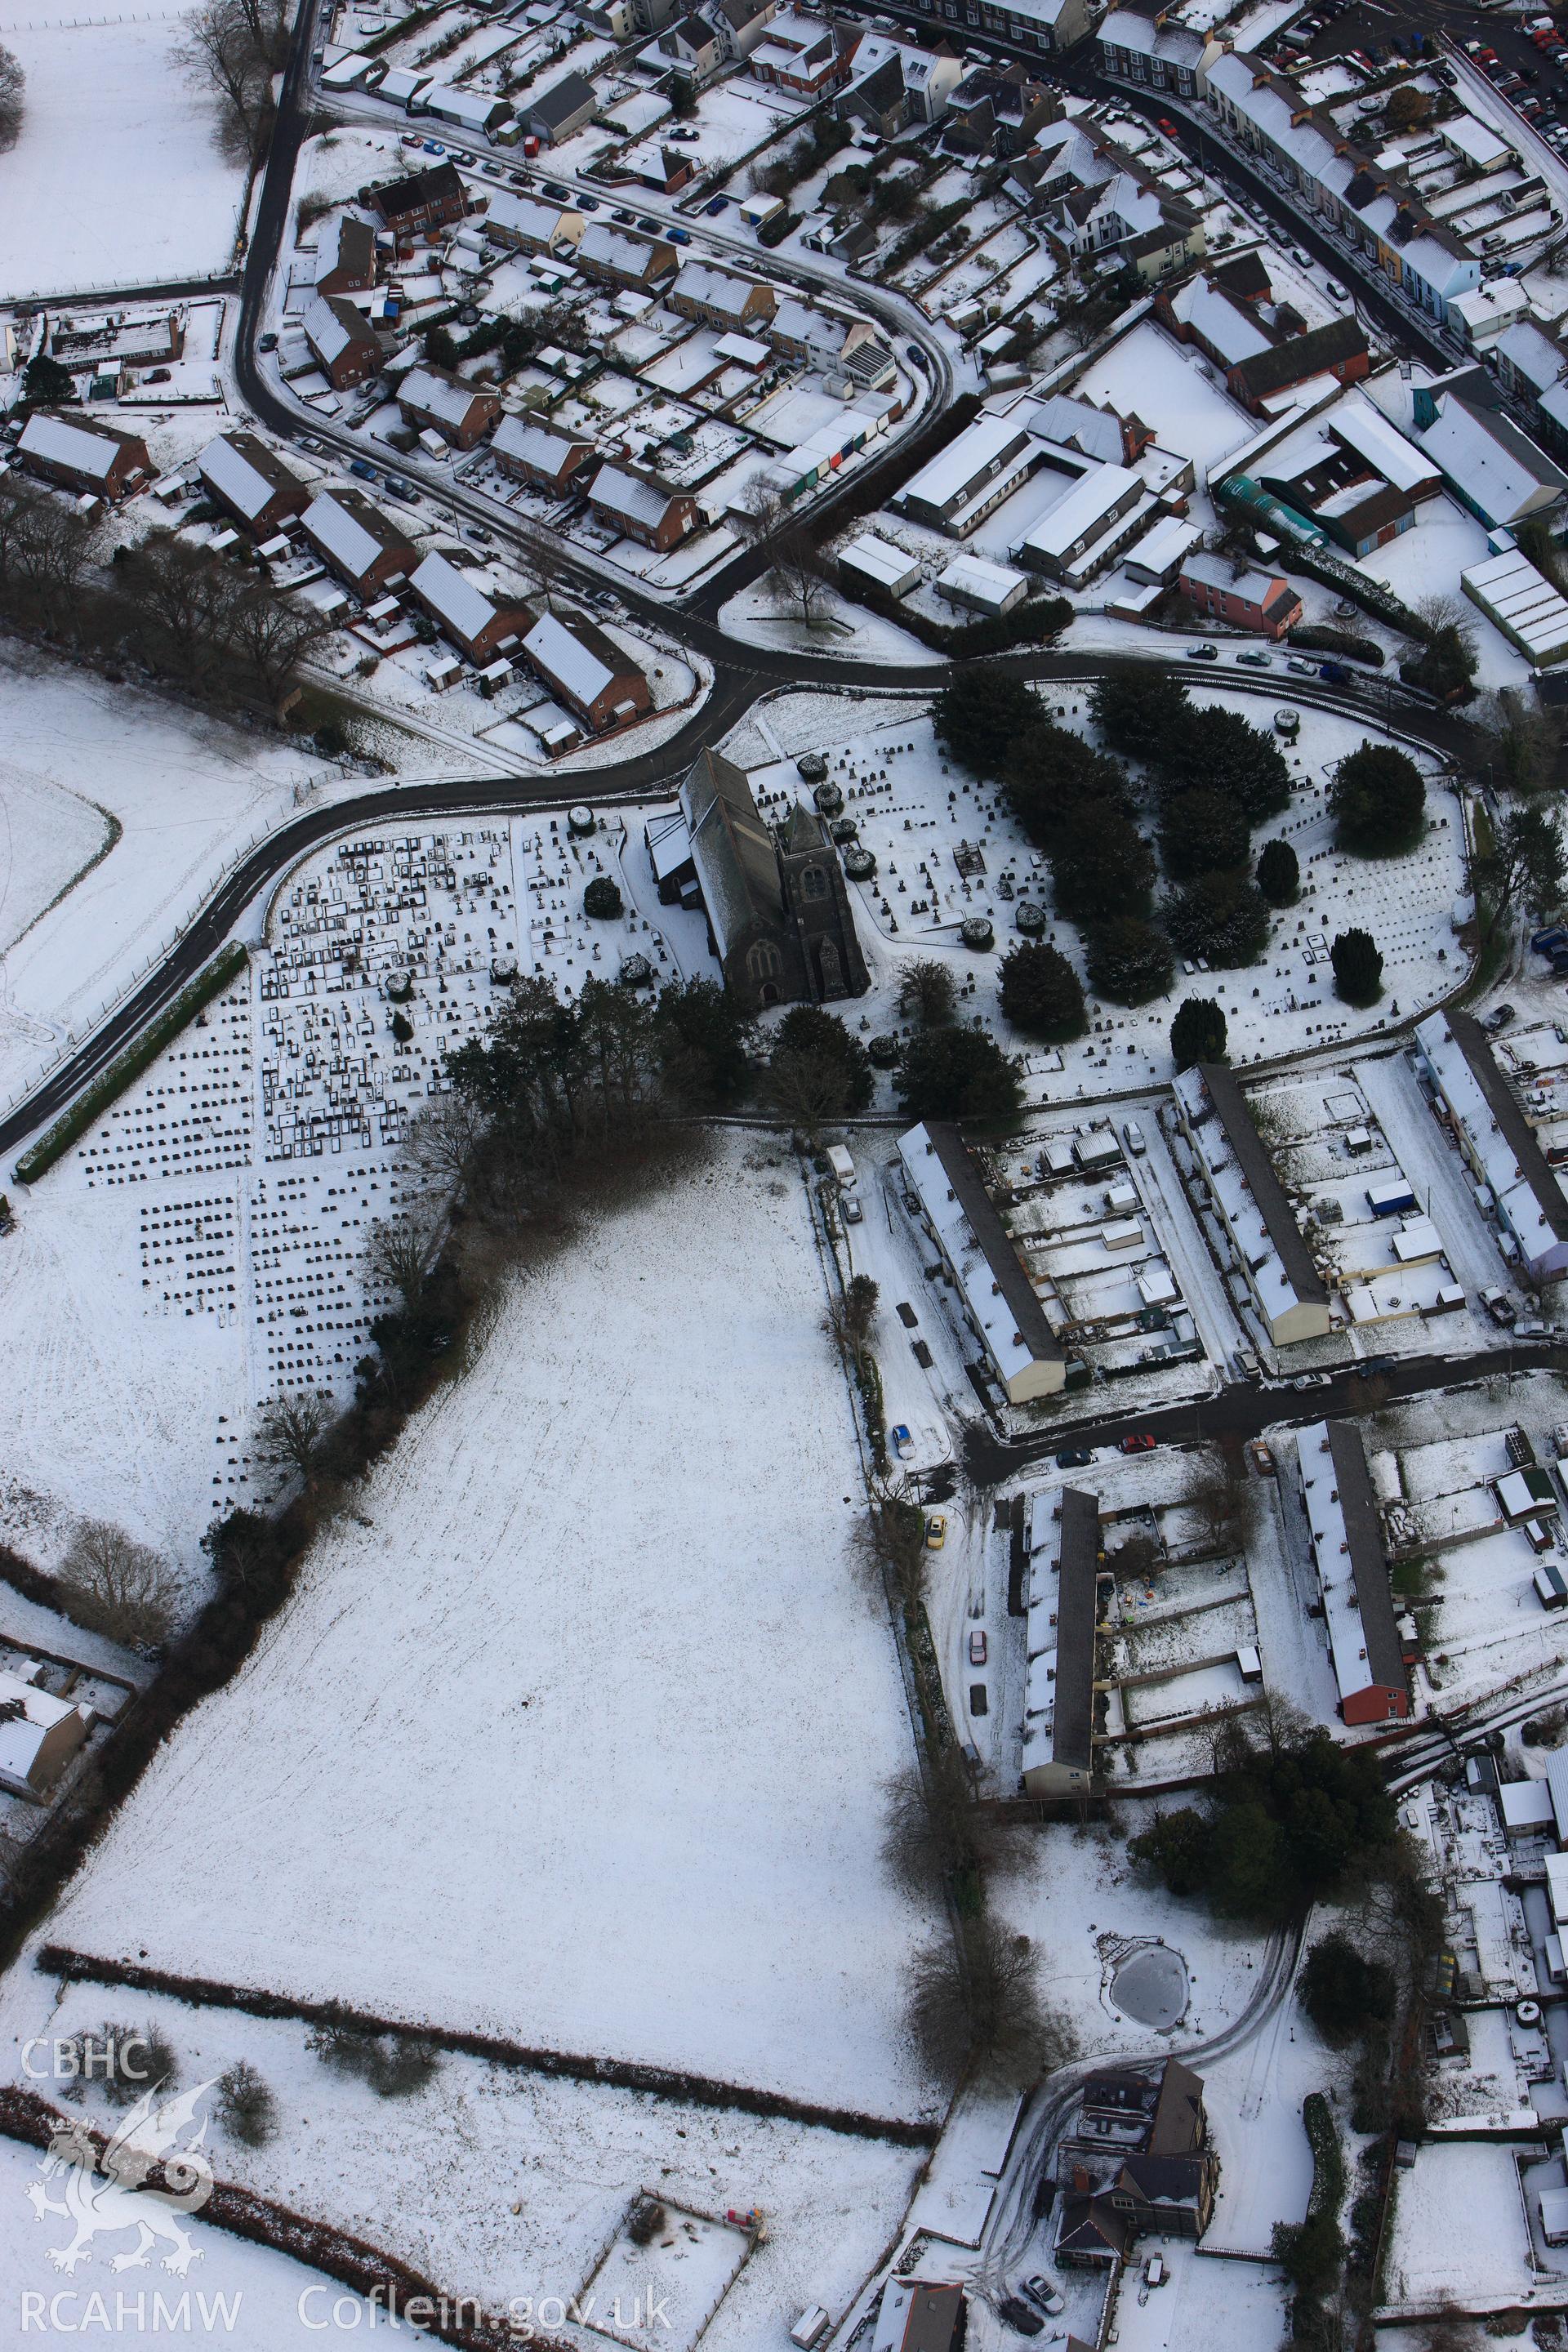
(1247, 1409)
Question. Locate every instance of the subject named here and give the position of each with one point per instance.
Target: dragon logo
(110, 2190)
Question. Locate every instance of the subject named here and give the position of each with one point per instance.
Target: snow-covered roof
(724, 291)
(82, 447)
(229, 467)
(533, 218)
(971, 579)
(27, 1718)
(1227, 326)
(331, 325)
(623, 493)
(1241, 1180)
(1001, 1300)
(603, 247)
(1160, 550)
(1522, 602)
(1364, 429)
(1077, 515)
(530, 443)
(1532, 354)
(435, 395)
(571, 660)
(1501, 473)
(1496, 1137)
(1353, 1569)
(1251, 585)
(875, 560)
(454, 596)
(343, 525)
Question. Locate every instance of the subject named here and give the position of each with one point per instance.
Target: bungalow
(460, 411)
(566, 106)
(423, 200)
(1346, 1536)
(341, 338)
(578, 662)
(87, 458)
(357, 541)
(252, 481)
(641, 264)
(1250, 599)
(482, 624)
(345, 255)
(39, 1734)
(720, 298)
(639, 508)
(533, 451)
(531, 225)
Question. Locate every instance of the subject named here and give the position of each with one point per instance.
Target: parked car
(1041, 2293)
(1139, 1443)
(1300, 668)
(1018, 2316)
(1337, 291)
(477, 530)
(1074, 1458)
(623, 217)
(1133, 1136)
(268, 342)
(936, 1531)
(899, 1438)
(679, 237)
(362, 468)
(1254, 660)
(1499, 1018)
(1202, 653)
(556, 193)
(587, 204)
(1312, 1380)
(1498, 1305)
(977, 1648)
(715, 205)
(1262, 1458)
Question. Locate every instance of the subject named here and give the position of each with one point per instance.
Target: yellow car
(936, 1532)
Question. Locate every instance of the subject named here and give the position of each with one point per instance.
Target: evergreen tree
(1357, 968)
(1197, 1032)
(1042, 994)
(1130, 961)
(1279, 874)
(1378, 799)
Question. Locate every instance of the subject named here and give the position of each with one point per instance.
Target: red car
(1141, 1444)
(1169, 128)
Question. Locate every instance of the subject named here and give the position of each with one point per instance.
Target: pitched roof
(435, 392)
(437, 185)
(1178, 2124)
(1364, 1530)
(351, 533)
(1223, 1090)
(563, 100)
(89, 449)
(1303, 355)
(620, 491)
(333, 326)
(732, 847)
(1511, 1123)
(577, 657)
(245, 472)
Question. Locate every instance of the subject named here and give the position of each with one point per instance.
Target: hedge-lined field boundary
(384, 2279)
(674, 2082)
(140, 1054)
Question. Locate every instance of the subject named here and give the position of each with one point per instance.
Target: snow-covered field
(598, 1685)
(116, 180)
(434, 2177)
(189, 793)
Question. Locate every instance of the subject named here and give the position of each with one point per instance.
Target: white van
(840, 1163)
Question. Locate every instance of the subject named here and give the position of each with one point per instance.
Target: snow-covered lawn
(598, 1685)
(116, 180)
(1458, 2228)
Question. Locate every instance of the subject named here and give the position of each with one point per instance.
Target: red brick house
(423, 200)
(637, 507)
(1260, 601)
(460, 412)
(591, 676)
(541, 454)
(87, 458)
(345, 256)
(341, 337)
(480, 623)
(252, 481)
(360, 543)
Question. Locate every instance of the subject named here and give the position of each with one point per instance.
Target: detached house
(1138, 2158)
(692, 47)
(423, 200)
(92, 460)
(345, 255)
(740, 26)
(357, 541)
(578, 662)
(39, 1734)
(341, 338)
(541, 454)
(252, 481)
(481, 622)
(461, 412)
(637, 507)
(567, 106)
(1247, 599)
(802, 53)
(996, 110)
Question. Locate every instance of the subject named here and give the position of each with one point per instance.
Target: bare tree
(762, 514)
(445, 1140)
(245, 2107)
(850, 1314)
(116, 1586)
(798, 580)
(973, 1999)
(13, 92)
(398, 1252)
(231, 49)
(292, 1428)
(808, 1088)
